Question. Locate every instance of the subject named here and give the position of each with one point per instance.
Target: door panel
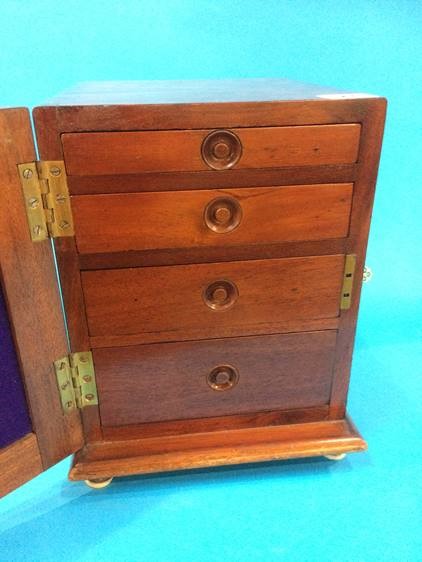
(32, 298)
(19, 462)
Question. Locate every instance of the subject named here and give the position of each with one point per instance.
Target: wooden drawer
(173, 381)
(202, 149)
(170, 303)
(218, 217)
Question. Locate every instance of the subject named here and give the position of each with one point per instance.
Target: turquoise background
(366, 508)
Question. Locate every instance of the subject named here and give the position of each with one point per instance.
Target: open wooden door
(34, 431)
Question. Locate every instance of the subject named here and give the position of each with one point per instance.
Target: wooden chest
(210, 241)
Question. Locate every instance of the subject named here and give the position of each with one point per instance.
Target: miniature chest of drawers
(210, 240)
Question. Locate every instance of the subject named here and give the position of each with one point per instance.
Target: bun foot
(338, 457)
(98, 483)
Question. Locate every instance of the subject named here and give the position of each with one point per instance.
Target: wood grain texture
(73, 299)
(167, 303)
(172, 110)
(364, 191)
(179, 181)
(219, 423)
(70, 283)
(190, 91)
(19, 463)
(158, 382)
(170, 220)
(229, 447)
(209, 254)
(282, 326)
(31, 292)
(167, 151)
(51, 122)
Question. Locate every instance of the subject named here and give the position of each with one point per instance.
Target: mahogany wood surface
(169, 151)
(19, 463)
(282, 326)
(31, 292)
(219, 423)
(153, 92)
(184, 108)
(167, 303)
(168, 381)
(210, 254)
(165, 220)
(179, 181)
(364, 190)
(228, 447)
(70, 279)
(76, 319)
(79, 117)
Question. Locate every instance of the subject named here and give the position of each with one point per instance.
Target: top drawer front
(173, 151)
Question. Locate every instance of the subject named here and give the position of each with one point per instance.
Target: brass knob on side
(223, 214)
(367, 274)
(223, 377)
(221, 150)
(220, 295)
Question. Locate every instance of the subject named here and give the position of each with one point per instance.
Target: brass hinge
(47, 201)
(346, 290)
(76, 381)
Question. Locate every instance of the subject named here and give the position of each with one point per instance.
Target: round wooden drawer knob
(223, 214)
(221, 150)
(223, 377)
(220, 295)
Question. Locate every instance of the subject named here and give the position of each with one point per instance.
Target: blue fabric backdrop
(367, 508)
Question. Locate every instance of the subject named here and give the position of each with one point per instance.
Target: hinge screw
(89, 397)
(69, 404)
(55, 171)
(60, 198)
(87, 378)
(27, 173)
(37, 230)
(64, 225)
(33, 202)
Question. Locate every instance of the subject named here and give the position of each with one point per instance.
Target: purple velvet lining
(14, 417)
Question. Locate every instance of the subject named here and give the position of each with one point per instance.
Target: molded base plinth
(165, 453)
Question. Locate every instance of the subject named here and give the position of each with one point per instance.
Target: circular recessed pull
(221, 150)
(223, 377)
(223, 214)
(220, 295)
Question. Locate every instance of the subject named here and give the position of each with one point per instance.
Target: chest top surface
(196, 91)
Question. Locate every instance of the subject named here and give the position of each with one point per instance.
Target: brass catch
(47, 201)
(346, 290)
